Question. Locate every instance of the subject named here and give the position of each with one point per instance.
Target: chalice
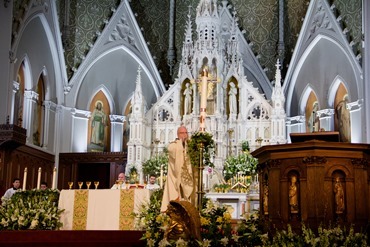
(80, 184)
(96, 183)
(88, 183)
(70, 184)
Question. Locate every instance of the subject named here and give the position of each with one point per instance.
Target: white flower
(224, 241)
(235, 237)
(4, 222)
(181, 243)
(150, 242)
(206, 243)
(163, 243)
(34, 224)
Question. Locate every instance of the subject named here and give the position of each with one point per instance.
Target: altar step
(71, 238)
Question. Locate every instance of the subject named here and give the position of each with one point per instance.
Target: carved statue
(232, 99)
(185, 221)
(293, 195)
(344, 121)
(313, 121)
(187, 99)
(339, 196)
(266, 199)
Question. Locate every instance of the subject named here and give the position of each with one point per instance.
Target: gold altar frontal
(101, 209)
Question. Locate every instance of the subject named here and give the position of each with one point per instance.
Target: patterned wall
(259, 18)
(351, 12)
(86, 19)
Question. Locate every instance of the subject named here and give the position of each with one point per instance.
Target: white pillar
(326, 118)
(357, 125)
(366, 64)
(7, 58)
(295, 125)
(117, 122)
(49, 110)
(29, 107)
(80, 120)
(13, 100)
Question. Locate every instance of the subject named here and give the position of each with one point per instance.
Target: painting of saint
(98, 123)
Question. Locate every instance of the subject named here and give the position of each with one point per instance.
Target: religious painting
(19, 96)
(126, 127)
(312, 119)
(342, 114)
(99, 131)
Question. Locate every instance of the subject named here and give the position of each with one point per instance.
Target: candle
(161, 177)
(39, 179)
(54, 178)
(24, 179)
(203, 100)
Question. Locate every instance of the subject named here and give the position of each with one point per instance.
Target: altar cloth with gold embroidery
(101, 209)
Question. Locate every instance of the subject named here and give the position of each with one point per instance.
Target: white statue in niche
(187, 99)
(233, 91)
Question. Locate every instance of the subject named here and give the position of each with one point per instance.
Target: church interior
(94, 88)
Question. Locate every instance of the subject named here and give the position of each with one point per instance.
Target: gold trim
(126, 216)
(81, 201)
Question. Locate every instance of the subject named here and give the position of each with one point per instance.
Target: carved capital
(15, 86)
(314, 160)
(273, 163)
(360, 163)
(50, 105)
(80, 113)
(117, 118)
(28, 94)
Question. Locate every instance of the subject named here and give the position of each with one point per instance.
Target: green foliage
(31, 209)
(245, 146)
(244, 163)
(153, 165)
(194, 145)
(217, 230)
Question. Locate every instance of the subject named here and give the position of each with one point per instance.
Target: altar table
(236, 200)
(101, 209)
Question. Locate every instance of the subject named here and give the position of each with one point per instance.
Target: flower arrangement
(244, 163)
(31, 209)
(194, 148)
(153, 165)
(217, 230)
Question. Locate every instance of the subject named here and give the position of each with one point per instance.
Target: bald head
(121, 176)
(182, 133)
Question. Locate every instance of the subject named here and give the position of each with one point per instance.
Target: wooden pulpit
(314, 181)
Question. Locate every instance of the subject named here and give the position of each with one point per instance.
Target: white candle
(39, 179)
(203, 100)
(161, 177)
(53, 186)
(24, 179)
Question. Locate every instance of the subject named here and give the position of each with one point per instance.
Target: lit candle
(24, 179)
(39, 179)
(161, 177)
(53, 186)
(203, 100)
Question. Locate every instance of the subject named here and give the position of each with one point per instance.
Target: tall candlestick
(203, 100)
(39, 179)
(161, 177)
(24, 179)
(53, 186)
